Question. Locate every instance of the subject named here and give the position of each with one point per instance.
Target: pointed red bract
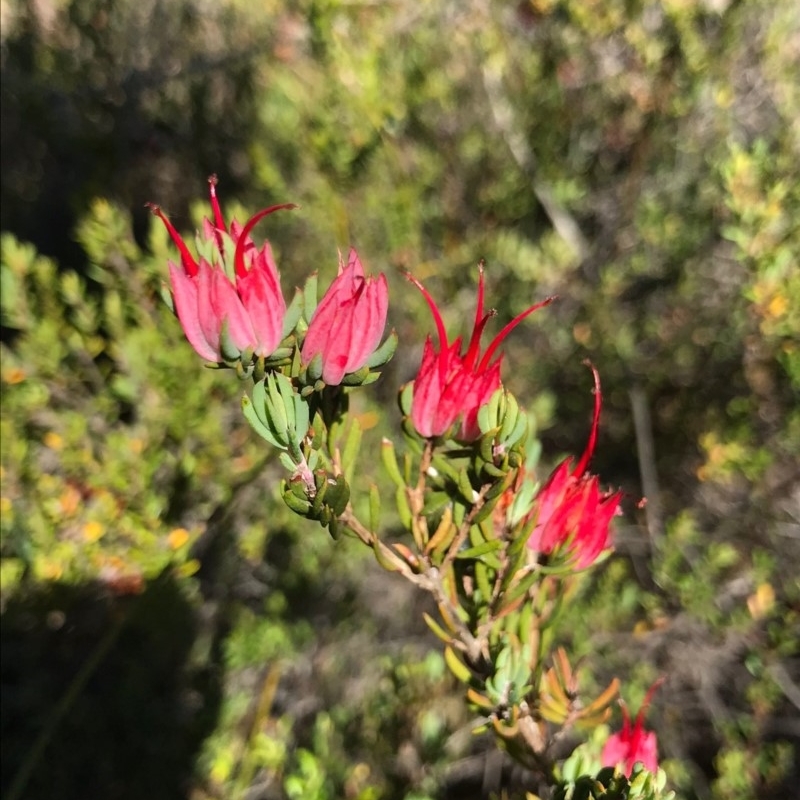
(450, 387)
(570, 509)
(246, 300)
(348, 323)
(633, 743)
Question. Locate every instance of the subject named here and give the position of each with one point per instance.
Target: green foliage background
(639, 159)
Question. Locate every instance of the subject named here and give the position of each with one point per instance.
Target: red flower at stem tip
(633, 743)
(570, 509)
(452, 387)
(215, 300)
(348, 323)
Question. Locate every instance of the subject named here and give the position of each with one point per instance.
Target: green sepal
(166, 296)
(314, 369)
(357, 378)
(292, 315)
(384, 353)
(228, 350)
(370, 379)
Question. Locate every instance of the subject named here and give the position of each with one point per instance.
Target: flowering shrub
(482, 539)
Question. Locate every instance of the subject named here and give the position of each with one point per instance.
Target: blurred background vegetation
(168, 629)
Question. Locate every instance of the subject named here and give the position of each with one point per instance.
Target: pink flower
(633, 743)
(571, 510)
(220, 308)
(347, 325)
(450, 386)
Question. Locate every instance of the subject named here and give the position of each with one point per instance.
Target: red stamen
(598, 401)
(498, 340)
(437, 317)
(238, 257)
(219, 220)
(647, 700)
(474, 349)
(187, 259)
(480, 320)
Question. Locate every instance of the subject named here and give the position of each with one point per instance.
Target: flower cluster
(234, 310)
(479, 524)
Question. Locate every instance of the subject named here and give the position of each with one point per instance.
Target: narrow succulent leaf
(403, 508)
(480, 550)
(389, 458)
(518, 590)
(482, 579)
(260, 400)
(457, 666)
(465, 488)
(257, 425)
(445, 532)
(374, 508)
(322, 490)
(437, 629)
(388, 560)
(486, 445)
(299, 506)
(601, 702)
(518, 432)
(287, 462)
(510, 416)
(480, 701)
(351, 449)
(484, 514)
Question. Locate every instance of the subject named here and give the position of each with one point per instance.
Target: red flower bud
(450, 387)
(571, 510)
(348, 322)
